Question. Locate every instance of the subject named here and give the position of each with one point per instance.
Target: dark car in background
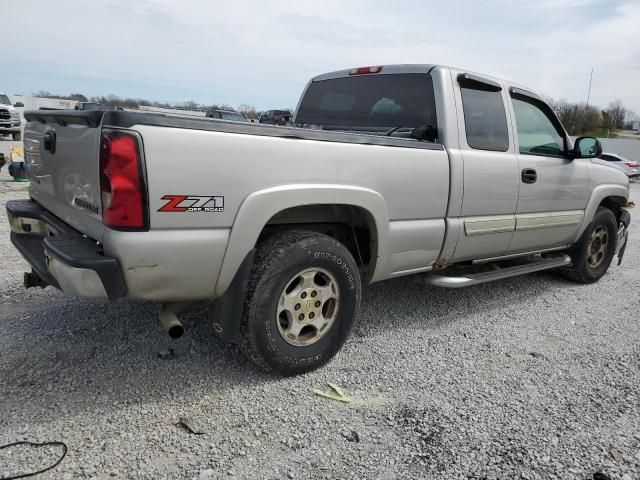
(276, 117)
(227, 115)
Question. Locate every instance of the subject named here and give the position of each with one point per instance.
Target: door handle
(529, 175)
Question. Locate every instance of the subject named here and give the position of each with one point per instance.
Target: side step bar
(542, 263)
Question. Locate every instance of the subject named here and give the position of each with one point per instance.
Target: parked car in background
(276, 117)
(10, 122)
(227, 115)
(630, 167)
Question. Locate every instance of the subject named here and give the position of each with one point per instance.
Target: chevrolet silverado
(389, 171)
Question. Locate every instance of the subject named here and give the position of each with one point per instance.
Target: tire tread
(270, 252)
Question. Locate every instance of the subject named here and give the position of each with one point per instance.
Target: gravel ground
(533, 377)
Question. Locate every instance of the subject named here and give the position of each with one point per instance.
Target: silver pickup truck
(389, 171)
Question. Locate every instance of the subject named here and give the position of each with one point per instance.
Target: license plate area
(24, 225)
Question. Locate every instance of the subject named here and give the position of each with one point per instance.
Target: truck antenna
(589, 91)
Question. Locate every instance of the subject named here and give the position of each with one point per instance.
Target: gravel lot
(532, 378)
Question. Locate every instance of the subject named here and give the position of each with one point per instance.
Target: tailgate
(62, 156)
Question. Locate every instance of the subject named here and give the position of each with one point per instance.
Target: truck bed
(126, 119)
(254, 172)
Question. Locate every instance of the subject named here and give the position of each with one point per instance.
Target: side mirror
(18, 104)
(587, 147)
(424, 132)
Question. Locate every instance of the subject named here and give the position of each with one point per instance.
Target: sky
(263, 52)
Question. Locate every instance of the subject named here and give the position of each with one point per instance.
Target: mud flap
(226, 311)
(623, 248)
(623, 234)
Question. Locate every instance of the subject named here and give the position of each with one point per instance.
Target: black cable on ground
(37, 445)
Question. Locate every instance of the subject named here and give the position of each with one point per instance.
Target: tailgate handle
(50, 141)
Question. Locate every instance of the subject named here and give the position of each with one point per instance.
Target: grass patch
(599, 133)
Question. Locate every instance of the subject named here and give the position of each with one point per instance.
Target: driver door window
(537, 135)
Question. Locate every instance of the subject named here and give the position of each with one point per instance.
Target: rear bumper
(61, 256)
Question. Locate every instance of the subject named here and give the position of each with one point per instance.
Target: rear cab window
(485, 119)
(375, 102)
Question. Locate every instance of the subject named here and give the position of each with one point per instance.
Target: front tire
(302, 302)
(16, 136)
(592, 255)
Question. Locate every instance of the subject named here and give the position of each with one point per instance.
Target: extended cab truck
(392, 170)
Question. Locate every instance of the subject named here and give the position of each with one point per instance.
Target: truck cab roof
(417, 68)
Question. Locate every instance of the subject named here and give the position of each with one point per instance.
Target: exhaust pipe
(169, 319)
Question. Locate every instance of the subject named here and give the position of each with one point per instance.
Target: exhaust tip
(169, 320)
(176, 331)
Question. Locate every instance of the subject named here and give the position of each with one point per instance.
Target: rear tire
(302, 302)
(592, 255)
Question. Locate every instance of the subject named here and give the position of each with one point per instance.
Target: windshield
(4, 100)
(390, 101)
(236, 117)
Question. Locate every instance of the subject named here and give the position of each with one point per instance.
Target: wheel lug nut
(303, 295)
(314, 293)
(297, 307)
(317, 303)
(301, 316)
(311, 315)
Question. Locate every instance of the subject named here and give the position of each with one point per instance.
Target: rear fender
(259, 207)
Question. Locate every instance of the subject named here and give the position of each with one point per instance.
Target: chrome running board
(542, 263)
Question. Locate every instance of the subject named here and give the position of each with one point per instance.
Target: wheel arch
(259, 208)
(612, 196)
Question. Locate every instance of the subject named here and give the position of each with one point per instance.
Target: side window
(537, 131)
(485, 120)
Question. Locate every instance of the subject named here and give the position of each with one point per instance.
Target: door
(490, 167)
(553, 188)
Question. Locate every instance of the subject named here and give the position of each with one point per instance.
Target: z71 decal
(192, 203)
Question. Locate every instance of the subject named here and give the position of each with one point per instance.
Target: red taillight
(124, 203)
(632, 164)
(365, 70)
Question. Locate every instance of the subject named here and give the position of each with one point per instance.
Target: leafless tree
(577, 117)
(248, 111)
(617, 113)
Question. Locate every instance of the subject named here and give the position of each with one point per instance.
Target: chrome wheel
(308, 306)
(597, 247)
